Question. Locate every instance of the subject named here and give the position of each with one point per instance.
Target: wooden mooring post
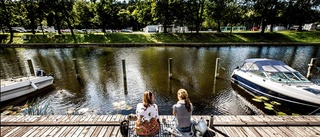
(31, 67)
(312, 63)
(170, 67)
(76, 68)
(216, 74)
(124, 69)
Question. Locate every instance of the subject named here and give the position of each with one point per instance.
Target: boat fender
(34, 85)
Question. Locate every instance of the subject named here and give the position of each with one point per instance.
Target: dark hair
(183, 94)
(147, 99)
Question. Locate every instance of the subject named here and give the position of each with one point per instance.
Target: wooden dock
(108, 125)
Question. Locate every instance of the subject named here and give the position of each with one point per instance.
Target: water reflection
(101, 83)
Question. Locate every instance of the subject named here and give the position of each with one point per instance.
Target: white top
(147, 113)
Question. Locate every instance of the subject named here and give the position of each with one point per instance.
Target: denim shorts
(184, 129)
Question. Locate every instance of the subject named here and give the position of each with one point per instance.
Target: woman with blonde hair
(182, 110)
(147, 116)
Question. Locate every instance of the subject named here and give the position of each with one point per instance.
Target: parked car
(126, 30)
(256, 28)
(18, 29)
(295, 27)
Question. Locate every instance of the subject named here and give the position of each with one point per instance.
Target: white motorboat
(17, 87)
(277, 81)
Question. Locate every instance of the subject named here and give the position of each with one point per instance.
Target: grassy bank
(237, 37)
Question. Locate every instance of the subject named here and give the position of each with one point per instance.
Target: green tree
(103, 13)
(142, 13)
(84, 12)
(124, 18)
(160, 10)
(216, 9)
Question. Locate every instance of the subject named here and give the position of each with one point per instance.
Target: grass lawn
(235, 37)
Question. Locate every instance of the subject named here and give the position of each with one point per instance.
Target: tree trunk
(71, 29)
(57, 21)
(300, 26)
(263, 27)
(199, 15)
(32, 22)
(11, 33)
(219, 25)
(67, 16)
(231, 28)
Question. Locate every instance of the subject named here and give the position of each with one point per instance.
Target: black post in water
(170, 68)
(124, 69)
(125, 86)
(76, 68)
(31, 67)
(312, 63)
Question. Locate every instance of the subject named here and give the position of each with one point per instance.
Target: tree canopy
(196, 14)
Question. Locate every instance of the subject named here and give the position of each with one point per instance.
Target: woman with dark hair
(147, 116)
(183, 111)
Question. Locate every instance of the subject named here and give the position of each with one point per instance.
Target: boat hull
(19, 89)
(267, 91)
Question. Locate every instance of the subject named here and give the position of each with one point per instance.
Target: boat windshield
(274, 70)
(292, 77)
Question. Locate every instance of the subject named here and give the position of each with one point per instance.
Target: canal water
(102, 89)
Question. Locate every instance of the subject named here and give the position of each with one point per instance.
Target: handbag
(201, 126)
(124, 127)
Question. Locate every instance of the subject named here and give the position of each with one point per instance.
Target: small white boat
(277, 81)
(14, 88)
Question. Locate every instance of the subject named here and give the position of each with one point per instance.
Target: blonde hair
(147, 99)
(183, 94)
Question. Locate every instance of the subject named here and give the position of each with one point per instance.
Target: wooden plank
(5, 130)
(13, 118)
(251, 132)
(105, 117)
(69, 117)
(271, 132)
(280, 132)
(60, 131)
(48, 131)
(90, 131)
(74, 118)
(30, 131)
(227, 131)
(11, 133)
(315, 129)
(238, 131)
(103, 132)
(99, 118)
(307, 131)
(260, 131)
(20, 132)
(72, 131)
(298, 131)
(93, 118)
(55, 131)
(4, 118)
(78, 132)
(66, 131)
(22, 118)
(44, 130)
(84, 131)
(114, 129)
(35, 118)
(96, 131)
(35, 132)
(42, 118)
